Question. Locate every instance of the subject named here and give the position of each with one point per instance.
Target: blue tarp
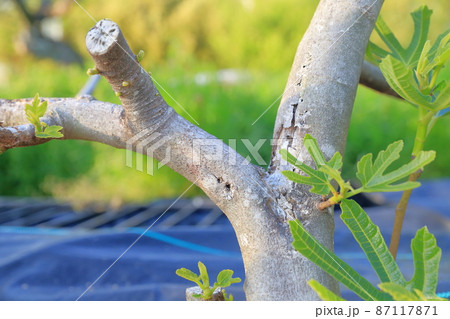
(61, 264)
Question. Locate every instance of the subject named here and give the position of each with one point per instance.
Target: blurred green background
(186, 43)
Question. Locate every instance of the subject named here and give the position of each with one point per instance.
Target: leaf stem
(425, 117)
(400, 211)
(333, 190)
(330, 202)
(354, 192)
(338, 197)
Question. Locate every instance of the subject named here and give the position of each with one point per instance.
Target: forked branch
(318, 100)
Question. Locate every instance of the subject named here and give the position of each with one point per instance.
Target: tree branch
(149, 126)
(18, 136)
(219, 170)
(257, 204)
(81, 118)
(227, 178)
(372, 77)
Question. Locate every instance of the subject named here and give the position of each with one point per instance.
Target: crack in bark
(294, 109)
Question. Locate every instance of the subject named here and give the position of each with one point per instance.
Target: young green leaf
(428, 298)
(422, 72)
(189, 275)
(331, 172)
(440, 46)
(368, 170)
(401, 293)
(369, 237)
(389, 38)
(401, 80)
(34, 112)
(421, 18)
(335, 162)
(203, 274)
(227, 297)
(422, 159)
(324, 293)
(413, 72)
(51, 132)
(372, 175)
(225, 278)
(408, 57)
(398, 292)
(309, 247)
(426, 256)
(313, 149)
(442, 100)
(374, 54)
(336, 175)
(318, 180)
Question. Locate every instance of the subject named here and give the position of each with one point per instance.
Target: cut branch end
(101, 37)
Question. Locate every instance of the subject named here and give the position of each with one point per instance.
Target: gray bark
(318, 100)
(372, 77)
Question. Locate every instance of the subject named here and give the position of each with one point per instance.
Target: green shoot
(370, 173)
(224, 279)
(413, 72)
(34, 112)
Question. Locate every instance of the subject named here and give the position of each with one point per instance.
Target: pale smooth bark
(318, 100)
